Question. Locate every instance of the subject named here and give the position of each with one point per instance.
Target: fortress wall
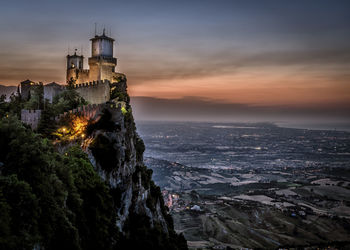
(71, 74)
(107, 71)
(94, 72)
(102, 68)
(51, 91)
(92, 111)
(27, 88)
(79, 75)
(25, 91)
(95, 92)
(83, 76)
(31, 117)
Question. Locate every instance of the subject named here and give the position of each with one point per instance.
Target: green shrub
(48, 199)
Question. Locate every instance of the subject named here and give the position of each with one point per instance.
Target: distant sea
(340, 126)
(240, 145)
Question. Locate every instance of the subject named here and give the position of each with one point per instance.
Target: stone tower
(75, 68)
(102, 63)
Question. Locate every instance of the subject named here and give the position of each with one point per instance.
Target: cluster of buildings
(93, 84)
(50, 90)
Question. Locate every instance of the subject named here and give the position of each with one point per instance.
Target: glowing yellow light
(75, 130)
(124, 111)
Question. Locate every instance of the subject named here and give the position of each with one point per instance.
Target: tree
(65, 101)
(61, 200)
(36, 99)
(18, 213)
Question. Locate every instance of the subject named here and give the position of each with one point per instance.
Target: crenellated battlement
(31, 117)
(94, 92)
(30, 111)
(91, 84)
(90, 111)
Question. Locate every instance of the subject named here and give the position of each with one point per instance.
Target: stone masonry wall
(50, 91)
(31, 117)
(90, 111)
(95, 92)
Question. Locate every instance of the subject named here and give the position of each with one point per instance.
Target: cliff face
(116, 152)
(55, 196)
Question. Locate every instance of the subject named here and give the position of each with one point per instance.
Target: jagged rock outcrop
(116, 152)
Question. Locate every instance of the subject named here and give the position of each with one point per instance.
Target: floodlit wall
(95, 92)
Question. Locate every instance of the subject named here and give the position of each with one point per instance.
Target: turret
(102, 46)
(75, 64)
(75, 61)
(102, 63)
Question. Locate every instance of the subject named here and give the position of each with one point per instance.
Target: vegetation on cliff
(140, 230)
(65, 101)
(49, 199)
(56, 199)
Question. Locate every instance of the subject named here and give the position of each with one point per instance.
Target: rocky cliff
(116, 152)
(79, 182)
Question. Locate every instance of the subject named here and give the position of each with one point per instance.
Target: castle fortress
(101, 63)
(94, 84)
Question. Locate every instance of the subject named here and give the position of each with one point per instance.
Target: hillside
(78, 183)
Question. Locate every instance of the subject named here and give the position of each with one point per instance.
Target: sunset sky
(257, 53)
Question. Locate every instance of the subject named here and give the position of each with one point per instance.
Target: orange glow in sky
(268, 87)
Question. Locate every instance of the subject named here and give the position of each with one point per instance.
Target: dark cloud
(324, 57)
(196, 63)
(179, 39)
(203, 109)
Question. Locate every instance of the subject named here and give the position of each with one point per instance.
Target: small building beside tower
(101, 63)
